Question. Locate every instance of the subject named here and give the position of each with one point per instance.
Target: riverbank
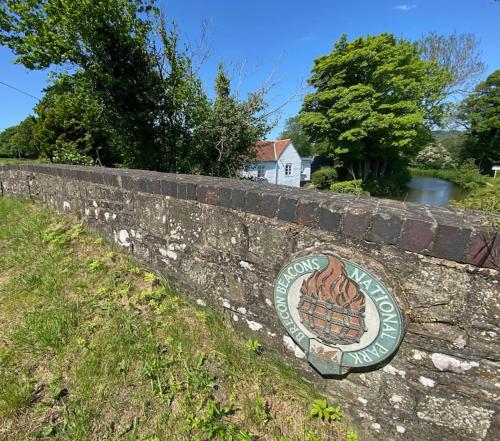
(482, 192)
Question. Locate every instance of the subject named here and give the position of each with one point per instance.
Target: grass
(4, 161)
(95, 347)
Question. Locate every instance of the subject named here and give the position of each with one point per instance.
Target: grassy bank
(95, 347)
(16, 160)
(483, 192)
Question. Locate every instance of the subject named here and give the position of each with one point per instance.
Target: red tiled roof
(270, 150)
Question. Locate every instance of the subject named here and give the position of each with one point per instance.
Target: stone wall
(224, 242)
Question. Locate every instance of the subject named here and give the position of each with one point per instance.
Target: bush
(324, 177)
(434, 156)
(393, 184)
(354, 187)
(486, 198)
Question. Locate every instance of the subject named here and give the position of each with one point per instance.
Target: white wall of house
(268, 169)
(306, 169)
(291, 158)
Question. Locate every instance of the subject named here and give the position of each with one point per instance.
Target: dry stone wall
(224, 242)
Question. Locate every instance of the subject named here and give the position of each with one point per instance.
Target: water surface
(433, 191)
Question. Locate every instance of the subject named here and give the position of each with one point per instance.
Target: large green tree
(481, 113)
(107, 42)
(18, 140)
(71, 126)
(374, 102)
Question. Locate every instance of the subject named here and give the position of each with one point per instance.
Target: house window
(288, 169)
(261, 171)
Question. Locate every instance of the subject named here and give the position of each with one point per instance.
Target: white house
(277, 162)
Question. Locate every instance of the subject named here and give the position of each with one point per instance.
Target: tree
(70, 124)
(18, 140)
(374, 102)
(107, 42)
(480, 111)
(182, 105)
(457, 53)
(133, 75)
(231, 129)
(5, 137)
(294, 130)
(21, 142)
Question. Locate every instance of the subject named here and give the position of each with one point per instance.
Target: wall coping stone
(464, 236)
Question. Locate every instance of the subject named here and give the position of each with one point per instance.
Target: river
(433, 191)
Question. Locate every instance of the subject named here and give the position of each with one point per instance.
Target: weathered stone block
(451, 242)
(356, 222)
(484, 249)
(287, 208)
(386, 228)
(417, 235)
(307, 213)
(270, 205)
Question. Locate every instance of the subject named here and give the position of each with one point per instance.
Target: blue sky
(281, 38)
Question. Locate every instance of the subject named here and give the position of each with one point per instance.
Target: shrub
(324, 177)
(393, 184)
(349, 187)
(434, 156)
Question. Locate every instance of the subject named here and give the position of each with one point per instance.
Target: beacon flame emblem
(337, 312)
(332, 306)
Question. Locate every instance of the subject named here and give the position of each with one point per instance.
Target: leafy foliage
(69, 125)
(132, 76)
(231, 128)
(254, 346)
(375, 100)
(434, 155)
(481, 113)
(18, 140)
(354, 186)
(324, 177)
(322, 410)
(300, 140)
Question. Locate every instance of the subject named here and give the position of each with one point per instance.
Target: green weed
(322, 410)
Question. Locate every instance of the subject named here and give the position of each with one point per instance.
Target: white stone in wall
(171, 255)
(393, 371)
(446, 363)
(246, 265)
(123, 238)
(254, 326)
(293, 347)
(418, 355)
(427, 382)
(363, 401)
